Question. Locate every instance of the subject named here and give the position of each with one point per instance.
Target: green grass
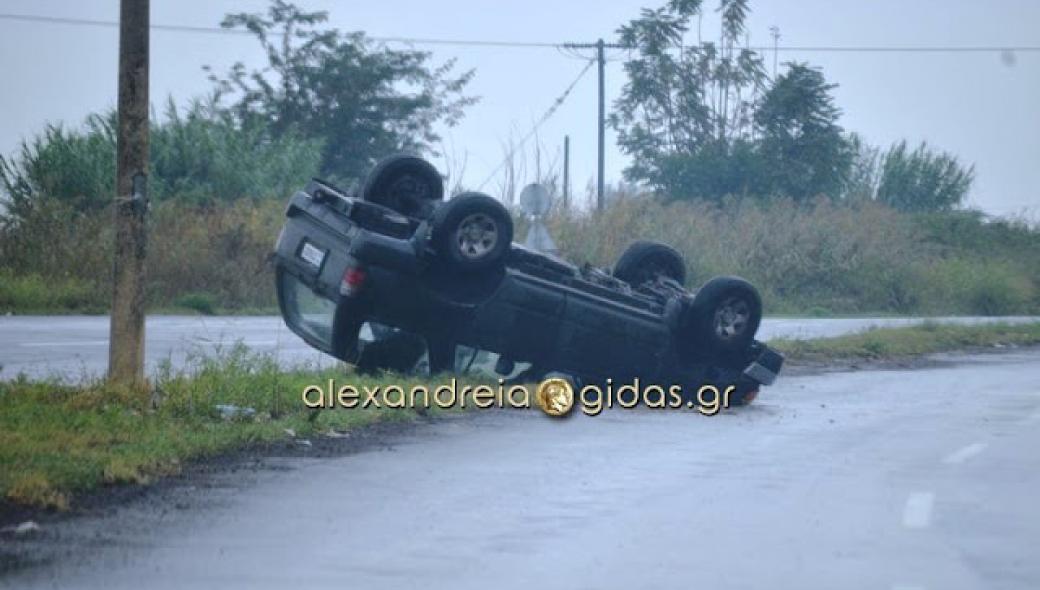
(217, 311)
(204, 303)
(57, 440)
(27, 294)
(927, 338)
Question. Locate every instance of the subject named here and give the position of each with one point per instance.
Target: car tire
(471, 232)
(723, 318)
(644, 261)
(406, 184)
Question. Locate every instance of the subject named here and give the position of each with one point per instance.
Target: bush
(202, 156)
(923, 179)
(77, 166)
(203, 303)
(33, 293)
(986, 287)
(57, 240)
(819, 258)
(198, 156)
(842, 258)
(221, 251)
(203, 258)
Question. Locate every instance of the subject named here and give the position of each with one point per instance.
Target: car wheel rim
(477, 236)
(732, 318)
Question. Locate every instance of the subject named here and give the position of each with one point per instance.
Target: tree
(704, 120)
(865, 170)
(362, 99)
(923, 180)
(683, 109)
(802, 148)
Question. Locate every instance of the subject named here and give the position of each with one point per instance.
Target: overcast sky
(983, 107)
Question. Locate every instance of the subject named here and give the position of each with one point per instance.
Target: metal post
(566, 171)
(126, 336)
(602, 124)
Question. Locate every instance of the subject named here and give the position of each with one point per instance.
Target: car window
(307, 311)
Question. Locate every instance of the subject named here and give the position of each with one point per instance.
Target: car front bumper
(765, 367)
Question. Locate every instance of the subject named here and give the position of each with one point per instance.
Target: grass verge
(927, 338)
(29, 294)
(57, 440)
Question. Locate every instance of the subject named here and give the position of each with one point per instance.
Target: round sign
(535, 200)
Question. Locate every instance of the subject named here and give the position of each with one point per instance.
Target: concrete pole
(126, 336)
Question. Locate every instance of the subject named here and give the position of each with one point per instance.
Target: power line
(534, 129)
(223, 31)
(545, 45)
(466, 42)
(899, 48)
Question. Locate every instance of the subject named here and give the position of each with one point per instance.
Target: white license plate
(315, 256)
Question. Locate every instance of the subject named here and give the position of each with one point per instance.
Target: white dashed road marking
(917, 514)
(962, 455)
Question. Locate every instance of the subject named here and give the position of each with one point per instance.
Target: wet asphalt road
(76, 347)
(924, 478)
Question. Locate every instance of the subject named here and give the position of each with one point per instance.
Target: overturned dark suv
(393, 259)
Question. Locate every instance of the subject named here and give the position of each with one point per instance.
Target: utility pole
(126, 335)
(566, 171)
(602, 125)
(601, 120)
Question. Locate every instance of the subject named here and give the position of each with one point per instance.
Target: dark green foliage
(202, 155)
(923, 179)
(864, 173)
(197, 155)
(714, 170)
(76, 166)
(704, 120)
(362, 100)
(329, 103)
(802, 150)
(31, 293)
(972, 230)
(684, 112)
(204, 303)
